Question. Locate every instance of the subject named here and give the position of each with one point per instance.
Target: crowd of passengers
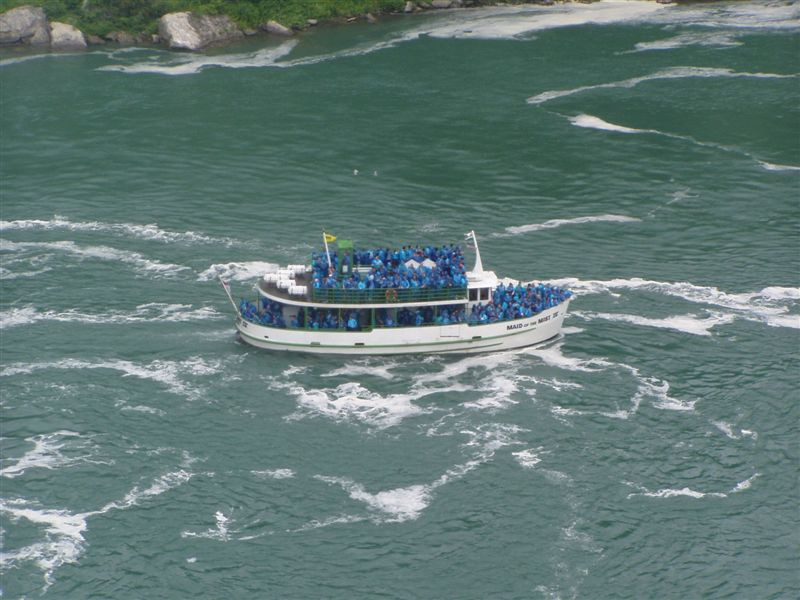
(388, 269)
(508, 303)
(517, 302)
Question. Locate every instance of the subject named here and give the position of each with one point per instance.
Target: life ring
(391, 295)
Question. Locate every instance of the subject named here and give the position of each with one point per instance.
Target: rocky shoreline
(190, 31)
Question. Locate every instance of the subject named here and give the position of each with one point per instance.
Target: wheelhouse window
(473, 294)
(484, 293)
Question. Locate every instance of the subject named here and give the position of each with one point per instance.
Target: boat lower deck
(458, 338)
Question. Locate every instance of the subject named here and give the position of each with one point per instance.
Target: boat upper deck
(354, 298)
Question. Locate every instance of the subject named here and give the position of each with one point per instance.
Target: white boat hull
(462, 338)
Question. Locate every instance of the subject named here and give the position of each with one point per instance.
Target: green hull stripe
(365, 347)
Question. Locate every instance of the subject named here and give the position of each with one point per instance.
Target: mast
(478, 268)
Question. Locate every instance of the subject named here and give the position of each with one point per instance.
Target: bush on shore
(99, 17)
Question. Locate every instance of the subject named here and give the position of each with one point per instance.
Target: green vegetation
(102, 16)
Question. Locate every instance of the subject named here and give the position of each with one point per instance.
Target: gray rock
(94, 40)
(155, 39)
(370, 18)
(66, 37)
(409, 7)
(276, 28)
(249, 32)
(24, 25)
(441, 4)
(313, 22)
(120, 37)
(192, 31)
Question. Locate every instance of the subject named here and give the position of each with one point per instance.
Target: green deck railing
(387, 295)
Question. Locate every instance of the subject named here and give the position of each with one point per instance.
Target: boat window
(473, 295)
(484, 293)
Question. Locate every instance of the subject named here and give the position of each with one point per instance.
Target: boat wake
(64, 530)
(52, 451)
(153, 312)
(592, 122)
(553, 223)
(407, 503)
(173, 375)
(150, 232)
(692, 324)
(669, 73)
(687, 492)
(769, 306)
(138, 261)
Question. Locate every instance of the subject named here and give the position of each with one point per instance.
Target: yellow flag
(329, 237)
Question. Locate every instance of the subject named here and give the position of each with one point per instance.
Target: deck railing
(387, 295)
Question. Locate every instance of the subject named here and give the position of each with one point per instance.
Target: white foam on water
(138, 261)
(514, 22)
(50, 55)
(407, 503)
(452, 371)
(553, 223)
(728, 430)
(674, 493)
(378, 368)
(157, 487)
(396, 506)
(690, 493)
(189, 64)
(744, 485)
(715, 39)
(655, 389)
(335, 520)
(219, 532)
(768, 306)
(497, 392)
(144, 313)
(191, 560)
(275, 473)
(560, 411)
(591, 122)
(669, 73)
(6, 273)
(292, 370)
(47, 453)
(555, 384)
(529, 458)
(569, 330)
(744, 17)
(238, 271)
(580, 538)
(351, 401)
(691, 324)
(64, 542)
(775, 167)
(168, 373)
(63, 539)
(146, 232)
(143, 409)
(554, 357)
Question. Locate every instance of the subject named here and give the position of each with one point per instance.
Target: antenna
(478, 268)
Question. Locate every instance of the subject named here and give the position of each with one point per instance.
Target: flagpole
(327, 252)
(227, 288)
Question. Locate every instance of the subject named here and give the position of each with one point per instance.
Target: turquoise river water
(645, 156)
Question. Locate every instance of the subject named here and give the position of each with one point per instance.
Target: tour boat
(404, 301)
